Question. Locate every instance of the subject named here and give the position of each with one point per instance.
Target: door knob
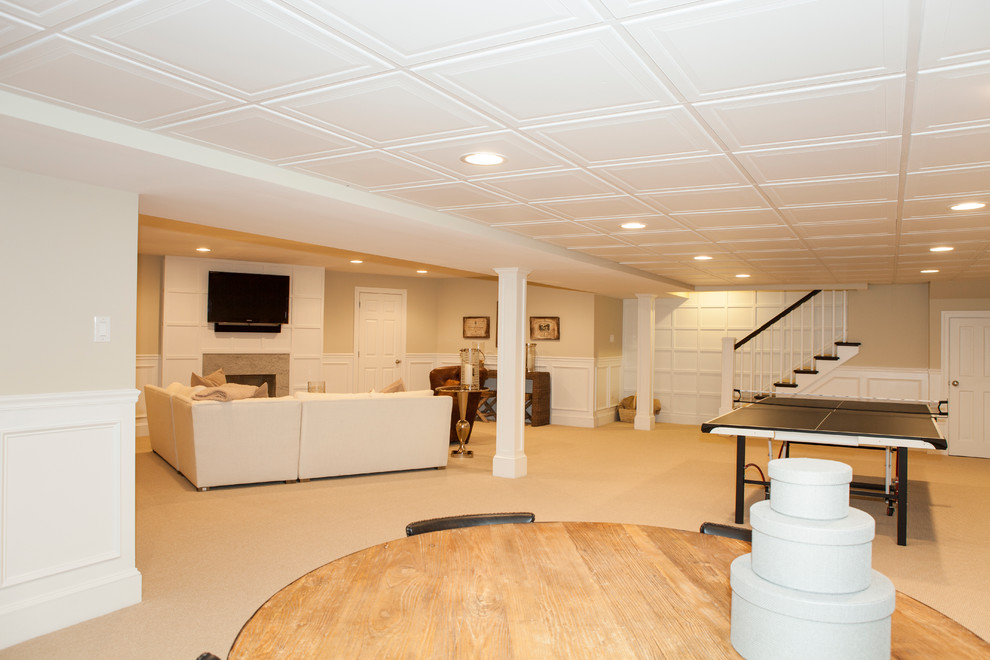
(955, 383)
(398, 361)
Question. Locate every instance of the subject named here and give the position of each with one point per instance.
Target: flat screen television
(248, 302)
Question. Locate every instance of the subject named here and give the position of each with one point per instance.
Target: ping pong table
(890, 425)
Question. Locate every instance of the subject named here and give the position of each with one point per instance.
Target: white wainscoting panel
(147, 372)
(338, 372)
(66, 510)
(687, 361)
(608, 389)
(874, 383)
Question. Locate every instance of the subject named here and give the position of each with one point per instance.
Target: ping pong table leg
(740, 476)
(902, 496)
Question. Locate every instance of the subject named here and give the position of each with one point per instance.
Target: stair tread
(848, 343)
(827, 357)
(785, 384)
(806, 371)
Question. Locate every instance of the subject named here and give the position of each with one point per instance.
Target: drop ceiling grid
(711, 122)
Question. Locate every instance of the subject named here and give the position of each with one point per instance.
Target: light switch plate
(101, 328)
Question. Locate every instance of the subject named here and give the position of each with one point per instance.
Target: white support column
(510, 461)
(728, 374)
(646, 332)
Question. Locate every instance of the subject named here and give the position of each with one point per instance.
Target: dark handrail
(784, 313)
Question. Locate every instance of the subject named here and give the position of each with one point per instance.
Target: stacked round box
(807, 589)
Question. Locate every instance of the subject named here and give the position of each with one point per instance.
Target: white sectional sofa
(236, 442)
(307, 436)
(363, 433)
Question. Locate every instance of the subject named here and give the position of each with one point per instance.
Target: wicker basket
(627, 414)
(627, 409)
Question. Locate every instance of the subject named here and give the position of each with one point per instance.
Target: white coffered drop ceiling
(802, 142)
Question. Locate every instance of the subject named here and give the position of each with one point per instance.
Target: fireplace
(252, 369)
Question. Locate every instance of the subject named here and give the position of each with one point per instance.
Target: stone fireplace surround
(251, 365)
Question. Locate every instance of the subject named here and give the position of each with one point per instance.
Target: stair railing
(764, 359)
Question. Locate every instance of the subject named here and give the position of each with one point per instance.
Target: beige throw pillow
(261, 392)
(216, 379)
(397, 386)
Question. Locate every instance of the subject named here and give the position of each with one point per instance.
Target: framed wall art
(477, 327)
(544, 327)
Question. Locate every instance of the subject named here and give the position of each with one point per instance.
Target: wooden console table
(537, 402)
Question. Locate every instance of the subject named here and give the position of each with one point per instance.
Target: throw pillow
(216, 379)
(397, 386)
(261, 392)
(451, 383)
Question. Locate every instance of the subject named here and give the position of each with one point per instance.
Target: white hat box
(825, 556)
(771, 622)
(809, 488)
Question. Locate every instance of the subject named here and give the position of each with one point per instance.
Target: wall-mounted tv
(247, 302)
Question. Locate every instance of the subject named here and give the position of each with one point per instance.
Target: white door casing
(380, 336)
(966, 364)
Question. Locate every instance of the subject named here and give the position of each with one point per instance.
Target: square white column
(645, 346)
(510, 459)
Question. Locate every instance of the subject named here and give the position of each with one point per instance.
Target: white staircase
(789, 353)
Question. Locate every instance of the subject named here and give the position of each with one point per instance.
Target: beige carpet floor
(209, 560)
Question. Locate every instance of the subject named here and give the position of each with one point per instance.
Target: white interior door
(381, 337)
(969, 385)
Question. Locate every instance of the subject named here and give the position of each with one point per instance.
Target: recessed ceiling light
(941, 248)
(930, 270)
(632, 225)
(743, 275)
(202, 249)
(483, 158)
(702, 257)
(422, 272)
(356, 261)
(967, 206)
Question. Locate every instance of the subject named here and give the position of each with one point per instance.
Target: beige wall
(338, 309)
(457, 298)
(608, 327)
(891, 322)
(68, 254)
(965, 296)
(149, 307)
(577, 320)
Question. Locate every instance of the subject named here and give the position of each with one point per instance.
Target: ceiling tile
(682, 173)
(952, 98)
(443, 28)
(523, 83)
(602, 207)
(52, 12)
(954, 31)
(756, 34)
(53, 68)
(946, 149)
(546, 186)
(371, 170)
(841, 212)
(262, 49)
(254, 131)
(716, 219)
(447, 195)
(504, 213)
(521, 155)
(654, 224)
(841, 159)
(385, 110)
(836, 191)
(947, 182)
(940, 206)
(712, 199)
(651, 134)
(13, 30)
(852, 228)
(542, 229)
(731, 234)
(870, 109)
(583, 241)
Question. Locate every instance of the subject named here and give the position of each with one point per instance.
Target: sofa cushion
(215, 379)
(410, 394)
(231, 392)
(331, 396)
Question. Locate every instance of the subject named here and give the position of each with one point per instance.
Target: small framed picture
(544, 327)
(477, 327)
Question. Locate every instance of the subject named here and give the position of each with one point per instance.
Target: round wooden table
(565, 589)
